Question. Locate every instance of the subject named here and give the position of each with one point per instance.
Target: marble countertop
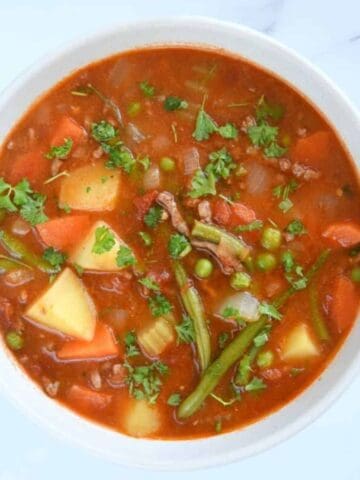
(327, 33)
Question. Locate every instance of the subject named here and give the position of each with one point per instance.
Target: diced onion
(246, 305)
(20, 227)
(258, 178)
(18, 277)
(191, 159)
(152, 178)
(134, 133)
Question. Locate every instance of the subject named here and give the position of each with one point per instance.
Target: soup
(180, 243)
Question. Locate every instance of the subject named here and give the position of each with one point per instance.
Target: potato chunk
(84, 256)
(141, 419)
(299, 344)
(93, 187)
(66, 306)
(155, 338)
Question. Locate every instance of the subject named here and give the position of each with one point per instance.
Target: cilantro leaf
(185, 330)
(146, 238)
(147, 89)
(104, 240)
(54, 257)
(145, 162)
(172, 103)
(150, 284)
(174, 400)
(274, 150)
(288, 261)
(153, 216)
(262, 135)
(119, 157)
(244, 370)
(228, 131)
(269, 310)
(255, 385)
(221, 163)
(286, 205)
(103, 131)
(125, 257)
(61, 151)
(131, 349)
(233, 313)
(283, 192)
(204, 126)
(296, 227)
(178, 246)
(262, 337)
(159, 305)
(202, 184)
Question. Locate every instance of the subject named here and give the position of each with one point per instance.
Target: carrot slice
(87, 399)
(313, 150)
(64, 232)
(32, 165)
(234, 214)
(102, 345)
(347, 234)
(68, 128)
(345, 303)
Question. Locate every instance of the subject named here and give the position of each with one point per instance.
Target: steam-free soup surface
(180, 236)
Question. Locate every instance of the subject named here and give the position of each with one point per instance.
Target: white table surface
(325, 31)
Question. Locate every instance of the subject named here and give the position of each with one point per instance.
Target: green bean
(8, 264)
(194, 307)
(219, 367)
(214, 234)
(319, 324)
(236, 349)
(20, 251)
(242, 376)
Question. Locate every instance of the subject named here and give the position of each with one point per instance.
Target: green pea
(203, 268)
(167, 164)
(133, 108)
(271, 238)
(265, 359)
(266, 262)
(14, 340)
(240, 280)
(355, 274)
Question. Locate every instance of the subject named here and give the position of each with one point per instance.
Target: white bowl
(177, 455)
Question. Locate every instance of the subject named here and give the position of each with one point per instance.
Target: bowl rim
(51, 422)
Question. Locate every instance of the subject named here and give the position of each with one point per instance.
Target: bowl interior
(320, 91)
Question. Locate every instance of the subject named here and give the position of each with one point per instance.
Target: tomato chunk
(31, 165)
(313, 150)
(144, 202)
(347, 234)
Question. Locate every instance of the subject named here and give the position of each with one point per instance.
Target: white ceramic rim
(222, 449)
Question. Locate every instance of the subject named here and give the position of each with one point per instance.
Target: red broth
(176, 159)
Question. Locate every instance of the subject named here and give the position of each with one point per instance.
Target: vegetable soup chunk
(163, 269)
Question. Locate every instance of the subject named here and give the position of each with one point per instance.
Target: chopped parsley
(185, 330)
(125, 257)
(244, 370)
(269, 310)
(150, 284)
(54, 257)
(233, 313)
(220, 166)
(296, 227)
(146, 238)
(174, 400)
(172, 103)
(250, 227)
(255, 385)
(293, 272)
(144, 381)
(225, 403)
(178, 246)
(159, 305)
(104, 240)
(205, 126)
(147, 89)
(261, 338)
(61, 151)
(131, 349)
(288, 261)
(263, 135)
(282, 192)
(21, 198)
(145, 162)
(222, 339)
(103, 131)
(153, 216)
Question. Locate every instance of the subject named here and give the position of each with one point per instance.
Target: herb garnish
(159, 305)
(250, 227)
(282, 192)
(125, 257)
(54, 257)
(179, 246)
(61, 151)
(255, 385)
(131, 349)
(172, 103)
(174, 400)
(147, 89)
(296, 227)
(104, 240)
(206, 126)
(185, 330)
(150, 284)
(144, 381)
(153, 216)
